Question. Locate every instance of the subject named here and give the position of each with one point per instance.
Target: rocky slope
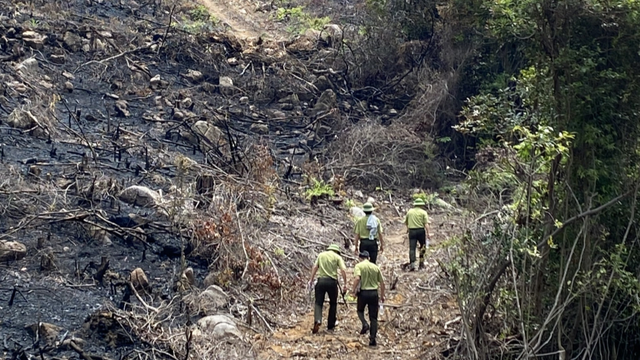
(152, 164)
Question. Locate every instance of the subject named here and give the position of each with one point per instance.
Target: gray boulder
(12, 250)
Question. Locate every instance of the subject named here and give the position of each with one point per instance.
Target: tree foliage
(552, 97)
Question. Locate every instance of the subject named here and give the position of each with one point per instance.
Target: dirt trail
(243, 19)
(419, 311)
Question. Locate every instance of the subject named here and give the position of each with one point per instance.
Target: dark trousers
(372, 247)
(369, 298)
(324, 286)
(417, 236)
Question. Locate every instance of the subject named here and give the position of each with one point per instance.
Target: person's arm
(314, 270)
(381, 238)
(426, 227)
(354, 286)
(344, 280)
(356, 241)
(382, 290)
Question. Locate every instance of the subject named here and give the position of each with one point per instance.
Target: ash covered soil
(151, 167)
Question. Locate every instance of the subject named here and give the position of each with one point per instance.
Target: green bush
(319, 189)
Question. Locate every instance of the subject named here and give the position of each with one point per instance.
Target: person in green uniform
(368, 280)
(417, 220)
(368, 233)
(326, 266)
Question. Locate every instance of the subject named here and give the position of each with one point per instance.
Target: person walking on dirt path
(326, 266)
(417, 221)
(368, 232)
(368, 280)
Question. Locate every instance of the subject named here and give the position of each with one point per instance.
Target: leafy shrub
(318, 190)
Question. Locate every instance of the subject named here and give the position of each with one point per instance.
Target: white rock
(244, 100)
(20, 119)
(186, 103)
(219, 326)
(260, 128)
(226, 85)
(357, 212)
(12, 250)
(194, 76)
(139, 279)
(371, 200)
(29, 65)
(359, 194)
(155, 81)
(213, 298)
(209, 131)
(140, 196)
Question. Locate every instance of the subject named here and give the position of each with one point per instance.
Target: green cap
(418, 202)
(367, 207)
(334, 247)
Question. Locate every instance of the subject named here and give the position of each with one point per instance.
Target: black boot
(365, 329)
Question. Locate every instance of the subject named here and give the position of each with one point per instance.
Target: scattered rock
(46, 331)
(140, 196)
(121, 108)
(33, 39)
(209, 88)
(371, 200)
(393, 112)
(178, 115)
(34, 171)
(287, 106)
(68, 86)
(12, 250)
(219, 326)
(194, 76)
(331, 35)
(356, 212)
(21, 119)
(213, 298)
(207, 130)
(68, 75)
(188, 276)
(244, 100)
(260, 128)
(57, 59)
(226, 86)
(72, 41)
(186, 103)
(29, 65)
(326, 102)
(139, 280)
(232, 61)
(276, 114)
(155, 82)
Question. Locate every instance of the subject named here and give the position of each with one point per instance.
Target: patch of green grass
(318, 189)
(199, 13)
(299, 20)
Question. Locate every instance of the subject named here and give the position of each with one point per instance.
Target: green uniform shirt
(416, 218)
(370, 275)
(328, 263)
(361, 228)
